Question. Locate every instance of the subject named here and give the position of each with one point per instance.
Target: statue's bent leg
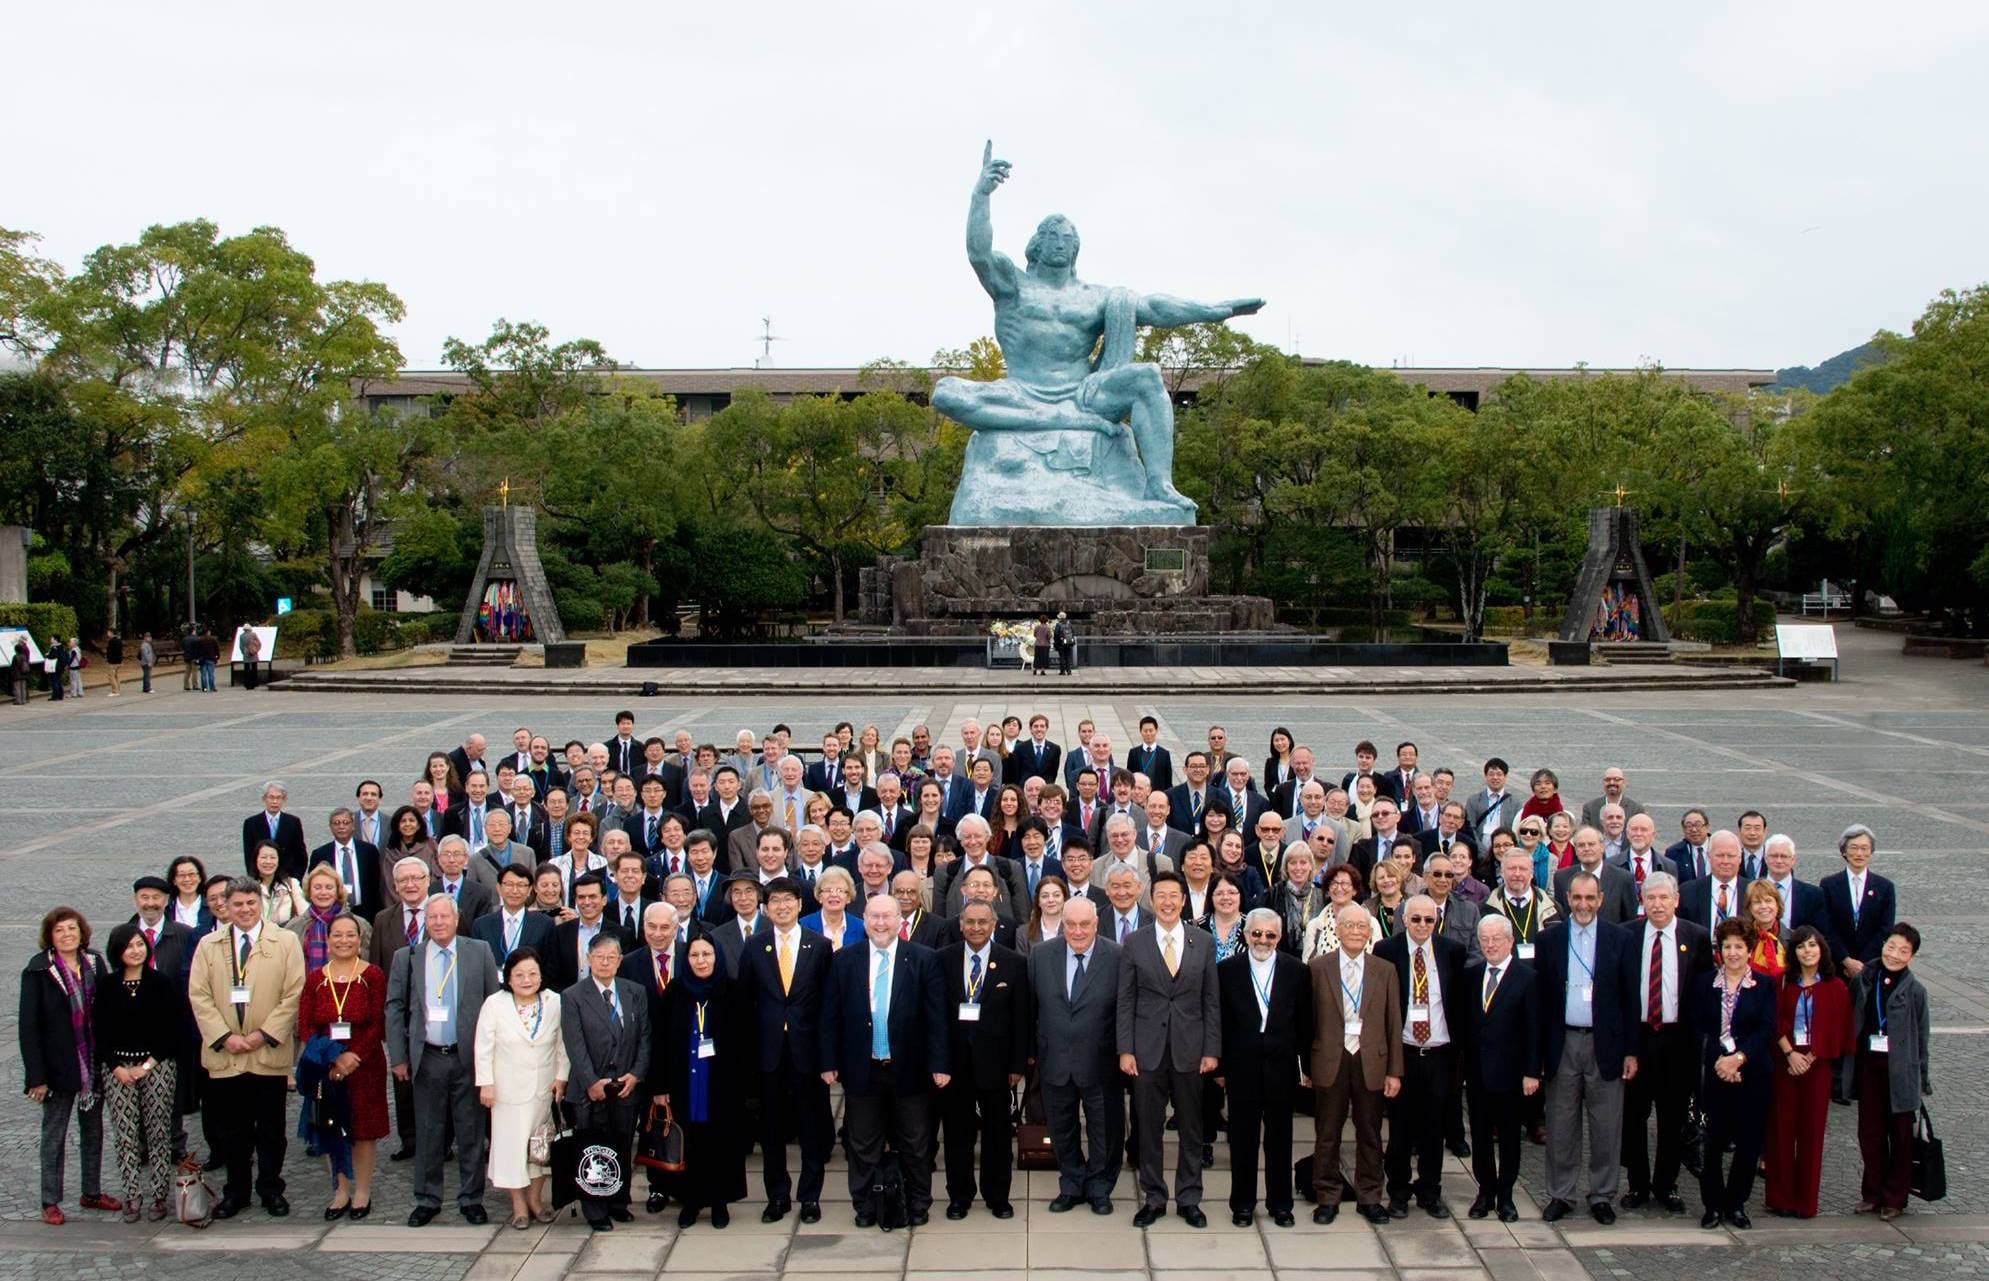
(1003, 405)
(1139, 391)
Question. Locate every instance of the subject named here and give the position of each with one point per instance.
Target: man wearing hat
(744, 918)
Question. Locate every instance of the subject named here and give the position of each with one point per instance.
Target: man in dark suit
(1501, 1038)
(1266, 999)
(1429, 971)
(1245, 801)
(357, 863)
(624, 749)
(472, 894)
(628, 894)
(1672, 959)
(465, 817)
(652, 966)
(513, 924)
(604, 1020)
(1619, 891)
(743, 900)
(1189, 799)
(529, 824)
(1284, 797)
(1707, 900)
(1035, 756)
(1640, 856)
(1802, 903)
(1859, 905)
(1588, 977)
(567, 962)
(1169, 1038)
(885, 1038)
(987, 1004)
(786, 970)
(469, 758)
(1688, 853)
(1035, 862)
(1074, 990)
(725, 810)
(1148, 757)
(279, 829)
(973, 833)
(1385, 784)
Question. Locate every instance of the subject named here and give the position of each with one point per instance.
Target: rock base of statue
(1121, 580)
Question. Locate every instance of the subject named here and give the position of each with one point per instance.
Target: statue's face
(1054, 244)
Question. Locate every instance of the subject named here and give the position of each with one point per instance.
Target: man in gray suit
(1619, 891)
(604, 1020)
(1155, 836)
(1169, 1037)
(1613, 782)
(1457, 918)
(1074, 988)
(433, 997)
(973, 833)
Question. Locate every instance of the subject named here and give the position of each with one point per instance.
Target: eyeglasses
(1261, 934)
(1420, 920)
(1440, 876)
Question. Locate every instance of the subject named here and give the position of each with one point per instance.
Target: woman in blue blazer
(835, 890)
(1735, 1011)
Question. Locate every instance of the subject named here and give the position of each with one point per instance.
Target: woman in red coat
(347, 1001)
(1812, 1028)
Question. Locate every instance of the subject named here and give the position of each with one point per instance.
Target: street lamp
(189, 568)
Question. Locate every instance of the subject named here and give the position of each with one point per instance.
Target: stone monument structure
(1066, 494)
(510, 600)
(1613, 601)
(13, 564)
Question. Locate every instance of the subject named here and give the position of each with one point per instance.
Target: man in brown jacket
(1356, 1065)
(246, 984)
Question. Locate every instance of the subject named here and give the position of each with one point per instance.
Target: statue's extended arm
(996, 270)
(1166, 311)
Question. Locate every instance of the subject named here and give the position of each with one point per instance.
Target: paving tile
(494, 1267)
(1108, 1245)
(433, 1239)
(870, 1252)
(1556, 1265)
(259, 1241)
(722, 1252)
(1327, 1250)
(1596, 1237)
(1336, 1274)
(1446, 1249)
(620, 1251)
(1239, 1248)
(1442, 1274)
(967, 1252)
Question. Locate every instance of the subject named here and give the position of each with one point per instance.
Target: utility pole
(189, 568)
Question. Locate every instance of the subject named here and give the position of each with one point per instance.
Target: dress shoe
(687, 1216)
(918, 1219)
(1147, 1216)
(52, 1215)
(1508, 1212)
(1398, 1209)
(405, 1154)
(774, 1213)
(1865, 1207)
(601, 1225)
(1672, 1202)
(811, 1211)
(1285, 1219)
(721, 1217)
(1890, 1212)
(1459, 1148)
(1481, 1205)
(275, 1207)
(358, 1212)
(1327, 1213)
(1555, 1211)
(620, 1215)
(1375, 1214)
(420, 1216)
(1061, 1204)
(1101, 1205)
(475, 1215)
(1603, 1212)
(1208, 1155)
(1633, 1200)
(655, 1203)
(1739, 1219)
(1435, 1207)
(101, 1202)
(1192, 1216)
(1002, 1211)
(226, 1208)
(865, 1219)
(335, 1212)
(1710, 1219)
(956, 1209)
(1242, 1218)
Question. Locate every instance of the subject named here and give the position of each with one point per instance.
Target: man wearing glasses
(1429, 972)
(1266, 1000)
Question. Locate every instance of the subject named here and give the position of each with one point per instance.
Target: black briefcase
(1930, 1162)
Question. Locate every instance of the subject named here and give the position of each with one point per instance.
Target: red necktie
(1723, 902)
(413, 927)
(1656, 998)
(152, 943)
(905, 930)
(662, 970)
(1640, 871)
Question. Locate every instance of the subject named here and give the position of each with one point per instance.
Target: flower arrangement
(1022, 635)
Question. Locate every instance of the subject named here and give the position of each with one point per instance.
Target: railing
(1826, 602)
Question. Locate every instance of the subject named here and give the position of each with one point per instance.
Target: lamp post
(189, 568)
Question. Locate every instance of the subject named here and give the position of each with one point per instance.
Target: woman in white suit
(521, 1070)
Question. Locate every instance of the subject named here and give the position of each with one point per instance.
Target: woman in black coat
(140, 1027)
(705, 1087)
(1736, 1015)
(58, 1055)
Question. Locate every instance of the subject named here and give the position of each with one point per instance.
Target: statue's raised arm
(996, 270)
(1166, 311)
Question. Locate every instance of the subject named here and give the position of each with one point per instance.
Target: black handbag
(1033, 1149)
(1930, 1162)
(660, 1144)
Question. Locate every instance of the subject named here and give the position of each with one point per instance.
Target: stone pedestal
(511, 554)
(1111, 580)
(13, 565)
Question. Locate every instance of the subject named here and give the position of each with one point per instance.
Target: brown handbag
(1033, 1149)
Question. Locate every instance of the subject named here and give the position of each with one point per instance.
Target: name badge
(707, 1047)
(969, 1012)
(1800, 1038)
(1524, 951)
(239, 994)
(1588, 994)
(341, 1031)
(1419, 1013)
(1353, 1027)
(1880, 1043)
(1726, 1043)
(437, 1013)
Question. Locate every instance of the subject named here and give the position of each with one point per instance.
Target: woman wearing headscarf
(701, 1049)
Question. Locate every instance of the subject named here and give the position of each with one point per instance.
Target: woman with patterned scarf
(58, 1055)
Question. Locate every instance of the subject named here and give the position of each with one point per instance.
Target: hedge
(44, 619)
(1715, 621)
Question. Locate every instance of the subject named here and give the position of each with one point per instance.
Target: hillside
(1831, 372)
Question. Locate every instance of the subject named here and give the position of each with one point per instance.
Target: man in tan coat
(246, 985)
(1356, 1064)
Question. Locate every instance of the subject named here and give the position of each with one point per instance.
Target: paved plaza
(93, 793)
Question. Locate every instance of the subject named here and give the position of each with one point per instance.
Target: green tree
(25, 280)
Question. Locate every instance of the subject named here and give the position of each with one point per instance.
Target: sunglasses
(1420, 920)
(1440, 876)
(1262, 934)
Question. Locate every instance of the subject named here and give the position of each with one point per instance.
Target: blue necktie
(880, 1009)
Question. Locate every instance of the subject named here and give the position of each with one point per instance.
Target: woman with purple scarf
(324, 896)
(59, 1057)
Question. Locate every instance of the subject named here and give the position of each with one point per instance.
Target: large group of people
(633, 936)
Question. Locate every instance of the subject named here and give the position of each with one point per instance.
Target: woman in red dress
(347, 1001)
(1812, 1029)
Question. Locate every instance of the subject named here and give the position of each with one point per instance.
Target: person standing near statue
(1065, 641)
(251, 655)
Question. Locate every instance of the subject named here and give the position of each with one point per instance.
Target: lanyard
(241, 971)
(1353, 993)
(1880, 988)
(1524, 925)
(448, 972)
(1574, 951)
(974, 985)
(1803, 1003)
(700, 1019)
(338, 998)
(1264, 992)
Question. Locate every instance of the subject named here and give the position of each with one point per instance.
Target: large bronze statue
(1051, 444)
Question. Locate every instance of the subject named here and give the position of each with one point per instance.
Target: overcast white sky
(1749, 184)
